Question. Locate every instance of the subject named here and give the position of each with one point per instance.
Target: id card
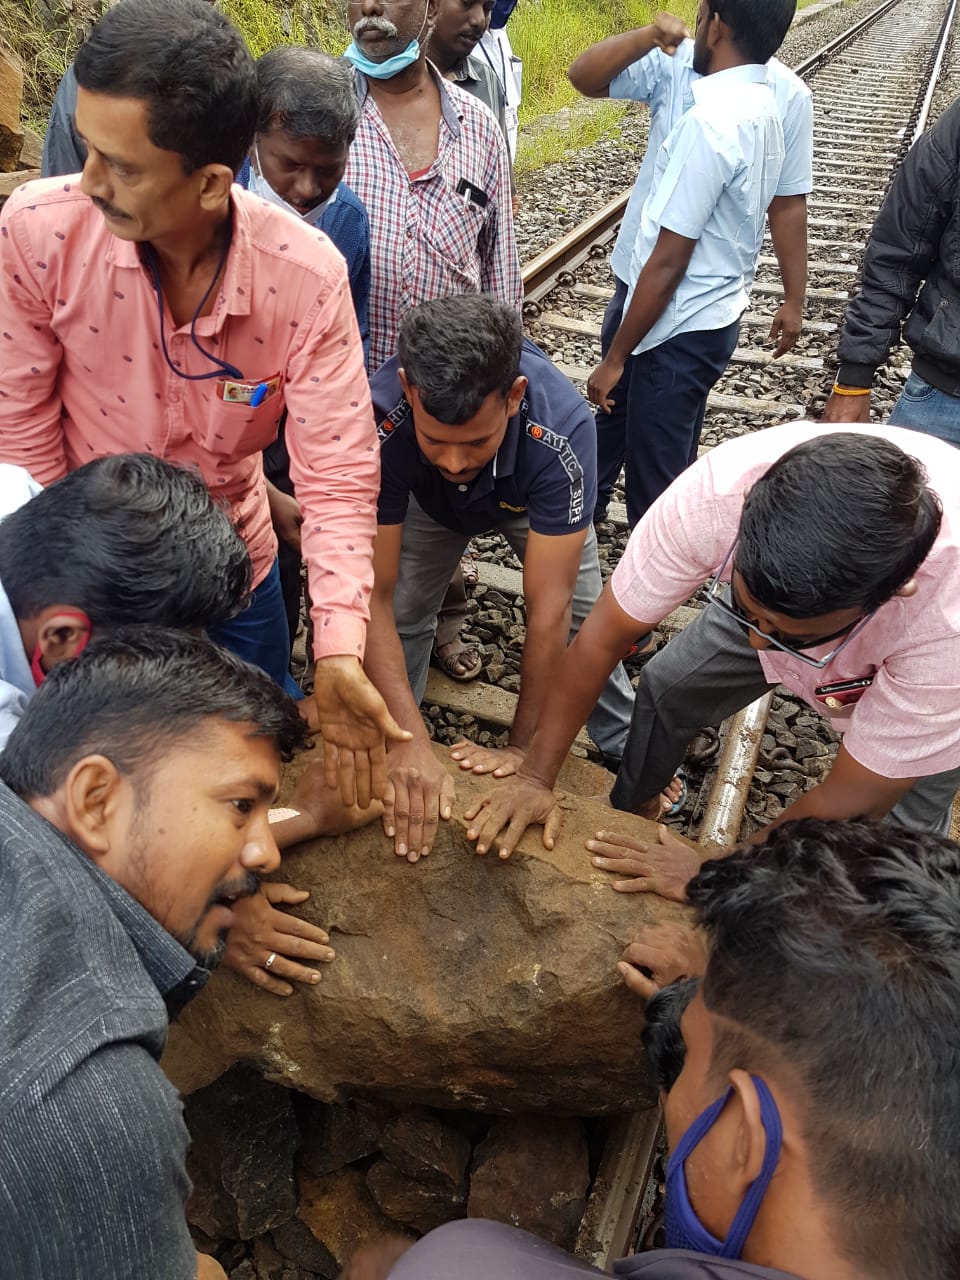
(244, 392)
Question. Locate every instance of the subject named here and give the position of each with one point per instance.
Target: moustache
(107, 208)
(242, 887)
(374, 23)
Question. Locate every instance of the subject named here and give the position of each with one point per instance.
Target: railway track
(873, 87)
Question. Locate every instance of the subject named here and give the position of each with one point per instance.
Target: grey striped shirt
(92, 1140)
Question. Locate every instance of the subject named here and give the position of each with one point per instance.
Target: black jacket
(912, 268)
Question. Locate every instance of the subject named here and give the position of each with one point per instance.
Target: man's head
(661, 1035)
(457, 30)
(733, 32)
(159, 755)
(123, 539)
(308, 119)
(167, 105)
(834, 529)
(383, 28)
(834, 979)
(460, 372)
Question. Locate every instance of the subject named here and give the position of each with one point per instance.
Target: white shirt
(714, 176)
(16, 679)
(666, 84)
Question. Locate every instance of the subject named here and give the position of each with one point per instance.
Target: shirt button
(462, 488)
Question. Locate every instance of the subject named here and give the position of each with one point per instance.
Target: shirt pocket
(453, 233)
(235, 431)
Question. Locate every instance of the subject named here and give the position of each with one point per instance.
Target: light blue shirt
(16, 679)
(666, 84)
(714, 176)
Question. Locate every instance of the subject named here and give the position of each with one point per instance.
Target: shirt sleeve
(335, 468)
(499, 264)
(796, 176)
(640, 81)
(94, 1184)
(678, 544)
(698, 169)
(360, 280)
(31, 433)
(562, 498)
(63, 151)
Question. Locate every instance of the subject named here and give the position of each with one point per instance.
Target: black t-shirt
(546, 467)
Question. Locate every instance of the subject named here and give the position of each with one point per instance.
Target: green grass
(309, 22)
(553, 142)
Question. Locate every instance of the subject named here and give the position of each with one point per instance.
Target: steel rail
(570, 251)
(943, 41)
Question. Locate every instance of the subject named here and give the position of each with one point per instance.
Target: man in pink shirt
(836, 573)
(153, 305)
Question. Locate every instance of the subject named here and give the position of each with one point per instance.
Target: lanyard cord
(223, 367)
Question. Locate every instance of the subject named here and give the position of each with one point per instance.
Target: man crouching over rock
(134, 802)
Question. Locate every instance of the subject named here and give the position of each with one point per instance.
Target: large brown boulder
(459, 981)
(11, 99)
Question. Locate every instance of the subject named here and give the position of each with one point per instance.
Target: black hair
(661, 1035)
(840, 522)
(458, 350)
(132, 696)
(757, 27)
(835, 955)
(191, 67)
(308, 94)
(127, 538)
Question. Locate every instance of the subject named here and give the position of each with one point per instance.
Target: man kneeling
(814, 1125)
(479, 433)
(134, 799)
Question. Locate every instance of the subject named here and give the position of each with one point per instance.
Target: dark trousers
(654, 428)
(276, 468)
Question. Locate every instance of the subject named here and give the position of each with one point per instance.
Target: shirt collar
(236, 288)
(449, 110)
(705, 87)
(463, 71)
(504, 461)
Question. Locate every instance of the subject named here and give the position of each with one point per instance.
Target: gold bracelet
(850, 391)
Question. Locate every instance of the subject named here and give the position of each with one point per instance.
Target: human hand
(356, 726)
(668, 952)
(786, 327)
(668, 32)
(286, 515)
(602, 381)
(502, 816)
(419, 792)
(500, 761)
(846, 408)
(664, 868)
(260, 931)
(208, 1268)
(375, 1261)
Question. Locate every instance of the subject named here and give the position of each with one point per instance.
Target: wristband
(850, 391)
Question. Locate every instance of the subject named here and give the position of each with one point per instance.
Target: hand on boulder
(662, 954)
(664, 868)
(500, 761)
(375, 1261)
(501, 817)
(263, 940)
(418, 794)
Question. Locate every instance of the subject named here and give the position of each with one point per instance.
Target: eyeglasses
(733, 609)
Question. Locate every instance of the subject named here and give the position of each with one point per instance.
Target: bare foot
(660, 805)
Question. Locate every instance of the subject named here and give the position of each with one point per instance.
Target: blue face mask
(682, 1228)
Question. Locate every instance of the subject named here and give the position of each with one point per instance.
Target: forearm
(387, 670)
(788, 231)
(543, 649)
(656, 285)
(833, 803)
(592, 73)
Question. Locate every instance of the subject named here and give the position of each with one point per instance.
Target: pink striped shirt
(82, 375)
(427, 241)
(907, 723)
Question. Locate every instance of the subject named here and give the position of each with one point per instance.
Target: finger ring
(270, 959)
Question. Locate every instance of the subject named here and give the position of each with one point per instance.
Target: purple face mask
(682, 1227)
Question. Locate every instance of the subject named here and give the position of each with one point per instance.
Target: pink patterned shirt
(907, 723)
(82, 375)
(426, 240)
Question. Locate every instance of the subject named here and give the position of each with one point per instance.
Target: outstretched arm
(592, 73)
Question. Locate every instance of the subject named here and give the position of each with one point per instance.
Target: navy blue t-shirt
(546, 467)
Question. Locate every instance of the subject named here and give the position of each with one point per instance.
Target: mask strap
(742, 1223)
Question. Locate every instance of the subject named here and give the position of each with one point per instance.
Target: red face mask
(39, 675)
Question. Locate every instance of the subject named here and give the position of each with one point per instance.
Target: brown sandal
(459, 661)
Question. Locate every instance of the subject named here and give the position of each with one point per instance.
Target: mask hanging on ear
(392, 66)
(682, 1228)
(258, 185)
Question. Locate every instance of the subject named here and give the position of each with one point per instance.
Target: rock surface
(459, 981)
(11, 98)
(532, 1172)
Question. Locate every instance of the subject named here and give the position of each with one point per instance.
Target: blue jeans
(653, 430)
(259, 634)
(925, 408)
